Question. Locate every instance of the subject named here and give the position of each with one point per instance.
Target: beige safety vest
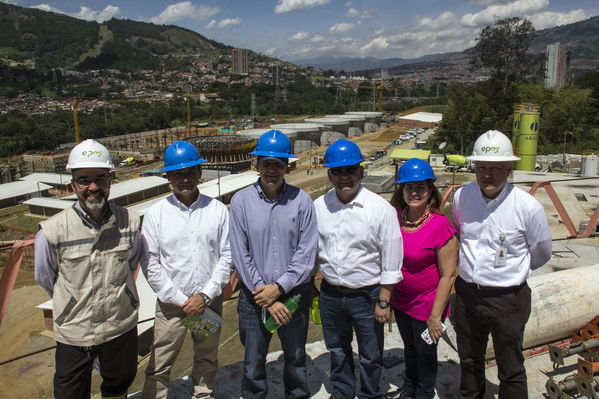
(95, 298)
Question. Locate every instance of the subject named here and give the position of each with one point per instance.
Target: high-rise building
(240, 61)
(557, 66)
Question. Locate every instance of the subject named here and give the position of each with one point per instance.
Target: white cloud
(353, 13)
(379, 32)
(85, 13)
(494, 12)
(301, 35)
(47, 7)
(341, 28)
(318, 39)
(99, 16)
(182, 10)
(444, 20)
(550, 19)
(285, 6)
(270, 52)
(228, 23)
(211, 24)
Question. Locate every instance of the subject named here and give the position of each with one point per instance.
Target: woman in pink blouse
(420, 300)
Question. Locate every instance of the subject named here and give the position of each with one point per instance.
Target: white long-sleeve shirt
(186, 249)
(514, 220)
(359, 243)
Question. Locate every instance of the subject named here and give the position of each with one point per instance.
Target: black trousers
(503, 313)
(118, 366)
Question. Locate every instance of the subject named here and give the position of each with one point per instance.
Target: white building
(557, 66)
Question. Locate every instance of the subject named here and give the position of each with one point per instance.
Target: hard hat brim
(182, 165)
(90, 165)
(344, 162)
(272, 154)
(485, 158)
(411, 179)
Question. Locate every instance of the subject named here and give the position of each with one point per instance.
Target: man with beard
(360, 255)
(85, 257)
(187, 262)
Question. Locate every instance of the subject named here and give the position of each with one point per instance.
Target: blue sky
(294, 29)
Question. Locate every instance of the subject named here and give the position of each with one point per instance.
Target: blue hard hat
(273, 143)
(415, 169)
(181, 155)
(342, 153)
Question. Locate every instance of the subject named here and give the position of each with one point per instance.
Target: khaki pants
(168, 338)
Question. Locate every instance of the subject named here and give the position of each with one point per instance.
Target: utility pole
(253, 109)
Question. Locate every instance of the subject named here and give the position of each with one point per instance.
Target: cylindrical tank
(308, 135)
(355, 120)
(516, 128)
(590, 165)
(336, 124)
(371, 116)
(527, 138)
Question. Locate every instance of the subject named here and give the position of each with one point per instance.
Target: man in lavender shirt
(273, 237)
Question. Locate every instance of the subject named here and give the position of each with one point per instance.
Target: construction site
(561, 337)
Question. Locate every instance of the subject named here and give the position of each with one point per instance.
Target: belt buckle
(478, 286)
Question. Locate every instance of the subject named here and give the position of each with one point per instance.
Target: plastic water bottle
(291, 304)
(316, 310)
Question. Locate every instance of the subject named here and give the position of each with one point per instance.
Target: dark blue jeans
(342, 313)
(420, 358)
(256, 338)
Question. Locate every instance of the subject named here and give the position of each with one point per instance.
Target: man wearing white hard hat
(85, 257)
(504, 234)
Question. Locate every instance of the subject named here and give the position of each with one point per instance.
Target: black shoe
(399, 394)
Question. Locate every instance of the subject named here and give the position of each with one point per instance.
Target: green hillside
(42, 40)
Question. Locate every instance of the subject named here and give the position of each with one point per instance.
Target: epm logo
(489, 149)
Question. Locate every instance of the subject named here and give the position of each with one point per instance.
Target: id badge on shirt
(501, 254)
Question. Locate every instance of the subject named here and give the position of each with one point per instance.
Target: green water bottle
(291, 304)
(316, 310)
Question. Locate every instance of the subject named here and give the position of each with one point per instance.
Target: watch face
(383, 304)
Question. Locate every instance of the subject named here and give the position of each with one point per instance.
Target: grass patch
(24, 223)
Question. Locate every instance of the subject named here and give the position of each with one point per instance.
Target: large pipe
(563, 302)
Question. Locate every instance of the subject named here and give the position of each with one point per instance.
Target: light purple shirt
(273, 241)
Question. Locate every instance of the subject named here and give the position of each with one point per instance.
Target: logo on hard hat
(488, 149)
(91, 153)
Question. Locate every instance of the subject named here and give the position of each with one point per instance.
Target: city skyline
(300, 29)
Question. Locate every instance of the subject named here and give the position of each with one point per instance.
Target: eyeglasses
(344, 170)
(85, 181)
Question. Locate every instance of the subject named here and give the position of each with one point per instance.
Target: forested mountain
(41, 39)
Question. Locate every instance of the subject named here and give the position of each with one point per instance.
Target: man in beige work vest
(85, 257)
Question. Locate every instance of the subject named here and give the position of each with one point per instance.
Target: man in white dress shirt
(360, 255)
(187, 262)
(504, 234)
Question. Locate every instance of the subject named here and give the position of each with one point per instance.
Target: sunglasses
(344, 170)
(87, 181)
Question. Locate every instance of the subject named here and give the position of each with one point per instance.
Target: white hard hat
(493, 146)
(89, 154)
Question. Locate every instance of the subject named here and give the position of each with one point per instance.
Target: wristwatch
(280, 287)
(206, 298)
(383, 304)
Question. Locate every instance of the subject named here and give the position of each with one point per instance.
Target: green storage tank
(527, 136)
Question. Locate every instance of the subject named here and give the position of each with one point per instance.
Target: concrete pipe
(563, 302)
